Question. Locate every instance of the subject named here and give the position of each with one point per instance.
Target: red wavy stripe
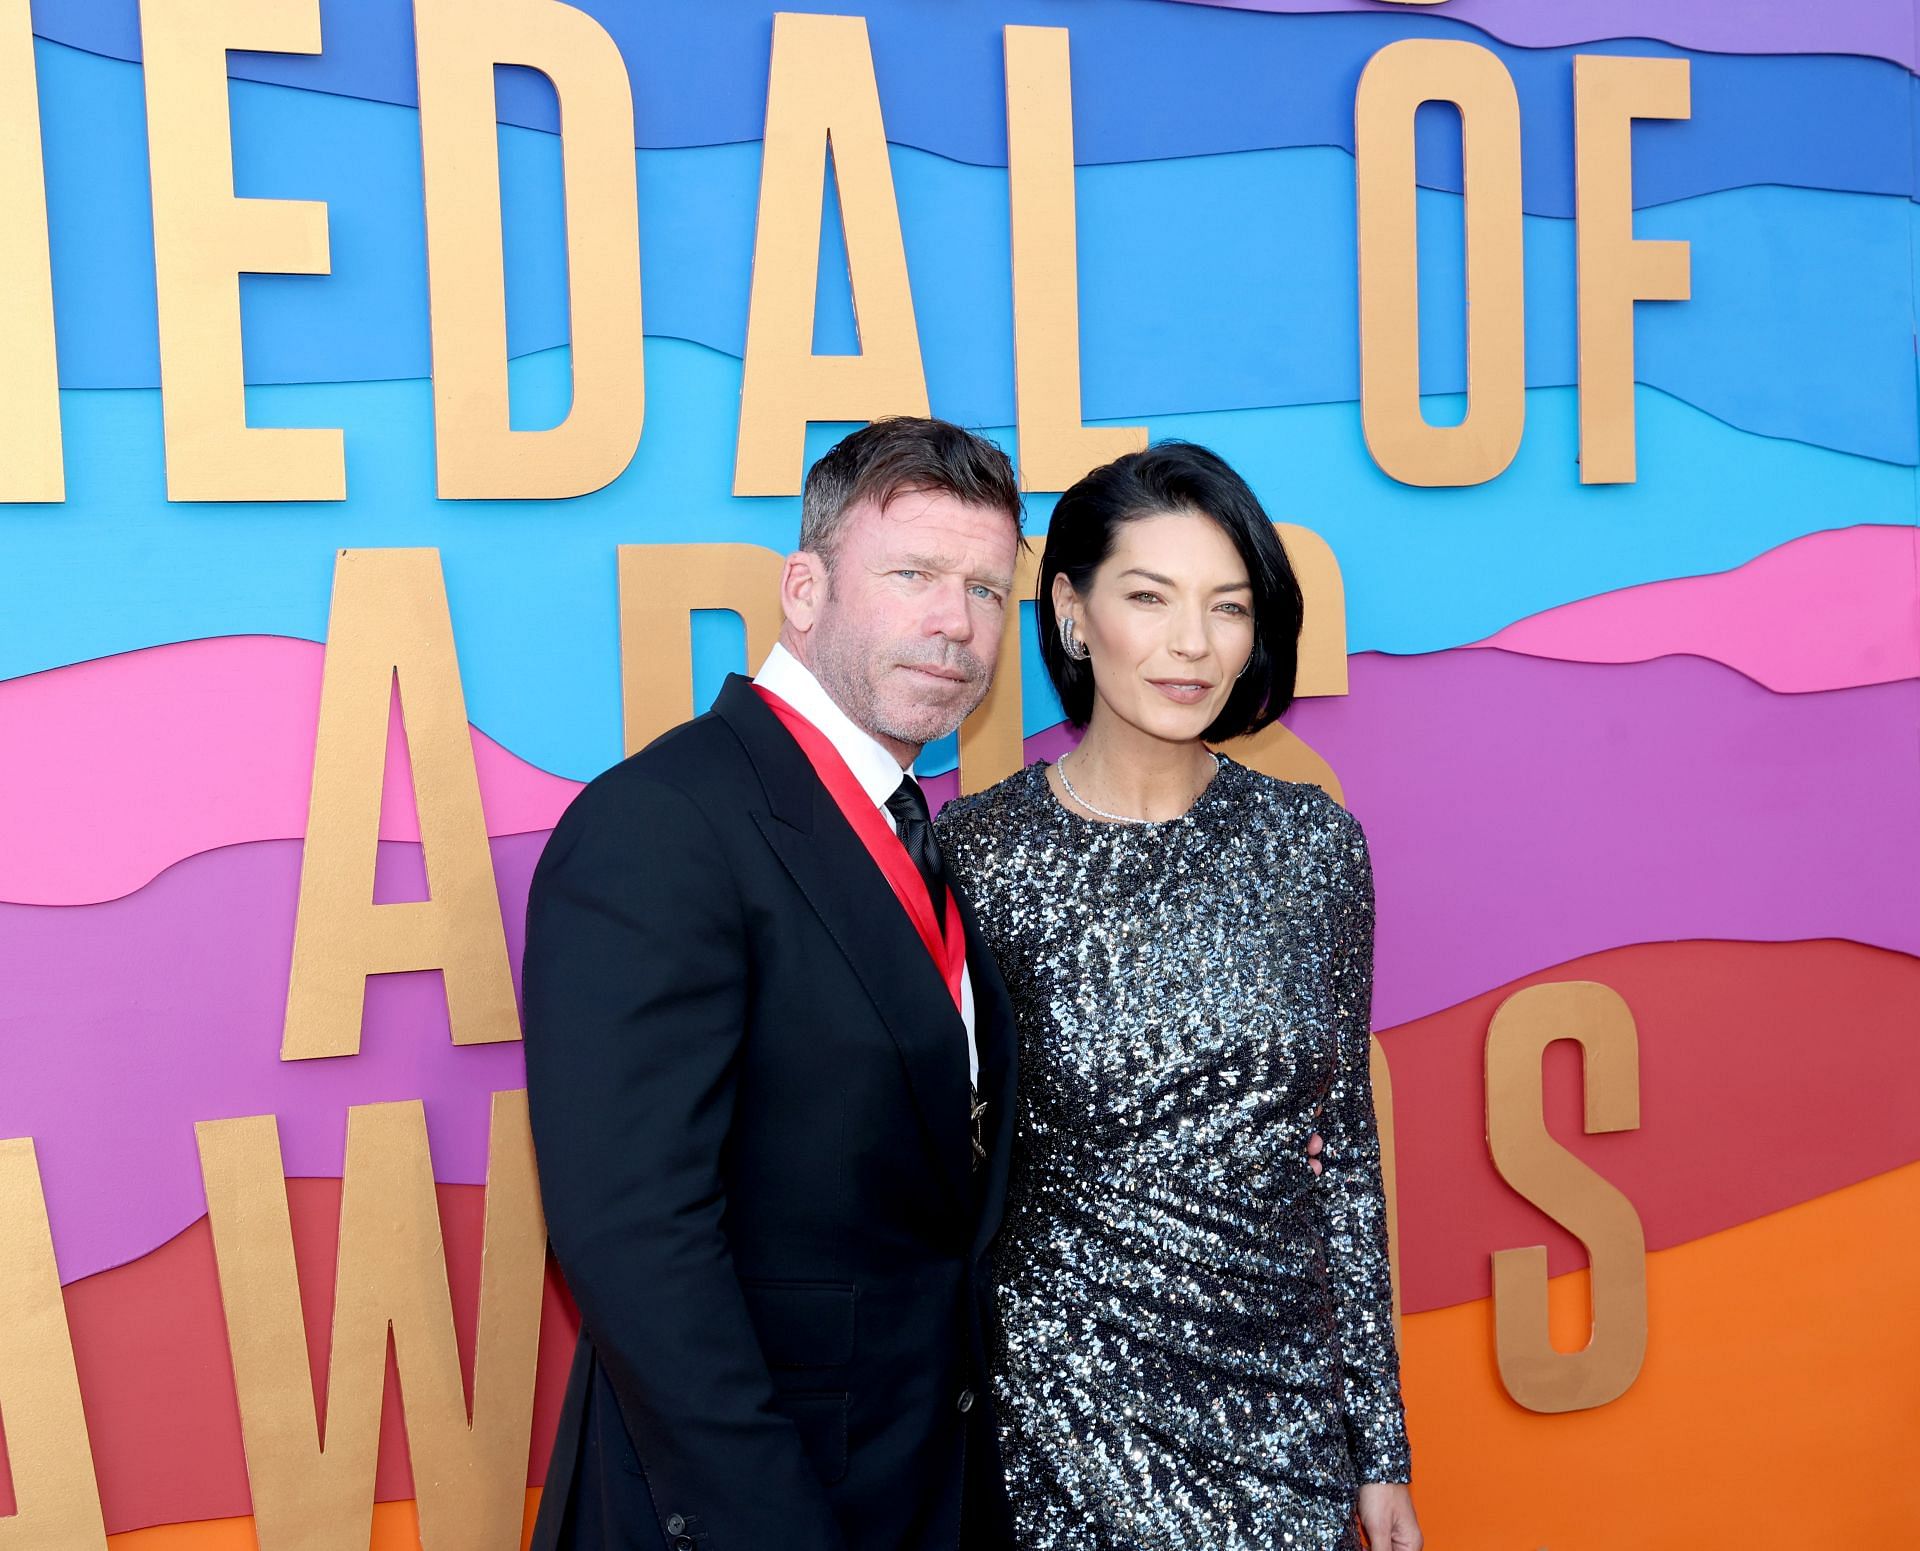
(150, 1345)
(1770, 1073)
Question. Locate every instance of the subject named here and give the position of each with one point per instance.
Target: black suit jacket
(748, 1086)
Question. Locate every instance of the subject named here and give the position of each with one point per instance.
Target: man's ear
(803, 589)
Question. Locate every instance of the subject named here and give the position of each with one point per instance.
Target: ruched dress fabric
(1195, 1346)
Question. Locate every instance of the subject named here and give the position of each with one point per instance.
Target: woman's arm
(1351, 1199)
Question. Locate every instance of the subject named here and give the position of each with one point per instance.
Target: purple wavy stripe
(1524, 812)
(1882, 28)
(124, 1023)
(1521, 813)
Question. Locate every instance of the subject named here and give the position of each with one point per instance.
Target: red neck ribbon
(947, 949)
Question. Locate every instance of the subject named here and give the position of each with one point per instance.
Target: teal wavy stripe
(532, 584)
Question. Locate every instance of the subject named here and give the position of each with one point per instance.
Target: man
(770, 1063)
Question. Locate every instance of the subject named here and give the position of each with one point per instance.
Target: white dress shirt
(877, 771)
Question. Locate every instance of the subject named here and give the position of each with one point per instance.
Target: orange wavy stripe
(396, 1527)
(1775, 1411)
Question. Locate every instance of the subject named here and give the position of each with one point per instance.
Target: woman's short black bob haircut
(1168, 478)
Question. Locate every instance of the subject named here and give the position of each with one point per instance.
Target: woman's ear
(1066, 602)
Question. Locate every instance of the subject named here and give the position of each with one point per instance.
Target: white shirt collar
(877, 771)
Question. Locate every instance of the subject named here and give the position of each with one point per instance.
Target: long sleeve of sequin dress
(1352, 1197)
(1195, 1344)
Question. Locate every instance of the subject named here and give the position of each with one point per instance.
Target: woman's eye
(1143, 597)
(1235, 608)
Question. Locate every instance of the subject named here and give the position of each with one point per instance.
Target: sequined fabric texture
(1195, 1344)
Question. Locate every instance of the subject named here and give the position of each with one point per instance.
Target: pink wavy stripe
(1827, 611)
(150, 756)
(1883, 28)
(1522, 812)
(124, 1023)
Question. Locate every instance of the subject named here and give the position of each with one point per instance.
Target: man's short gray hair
(895, 455)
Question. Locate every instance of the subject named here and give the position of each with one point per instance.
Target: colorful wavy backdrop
(1664, 736)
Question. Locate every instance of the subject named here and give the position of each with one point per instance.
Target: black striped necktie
(908, 805)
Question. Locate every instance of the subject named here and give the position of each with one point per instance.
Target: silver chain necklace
(1118, 818)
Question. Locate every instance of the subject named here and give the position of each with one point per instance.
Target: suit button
(682, 1543)
(965, 1402)
(676, 1525)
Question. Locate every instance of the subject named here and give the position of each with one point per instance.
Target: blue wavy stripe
(532, 585)
(1207, 283)
(1151, 81)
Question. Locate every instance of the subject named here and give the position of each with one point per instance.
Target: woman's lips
(1184, 691)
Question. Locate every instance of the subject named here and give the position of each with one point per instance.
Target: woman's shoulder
(1298, 813)
(1008, 806)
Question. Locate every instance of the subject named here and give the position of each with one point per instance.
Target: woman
(1196, 1345)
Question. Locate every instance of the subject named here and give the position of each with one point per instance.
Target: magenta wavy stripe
(1828, 611)
(124, 1023)
(225, 726)
(1881, 28)
(1522, 812)
(150, 756)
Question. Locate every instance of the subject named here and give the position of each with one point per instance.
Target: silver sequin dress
(1195, 1348)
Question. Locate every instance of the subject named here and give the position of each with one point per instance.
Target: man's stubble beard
(843, 671)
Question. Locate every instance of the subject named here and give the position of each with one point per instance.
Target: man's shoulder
(695, 752)
(699, 767)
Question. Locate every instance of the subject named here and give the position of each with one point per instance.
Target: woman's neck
(1132, 773)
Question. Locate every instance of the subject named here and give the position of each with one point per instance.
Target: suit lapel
(831, 868)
